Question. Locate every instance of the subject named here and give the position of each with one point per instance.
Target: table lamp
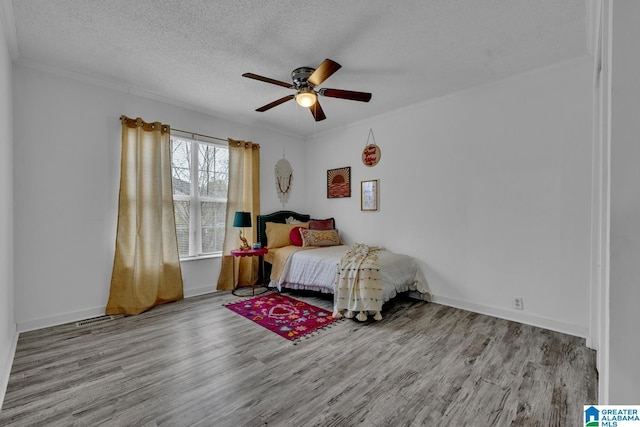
(242, 219)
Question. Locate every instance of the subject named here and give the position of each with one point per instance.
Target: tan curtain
(146, 266)
(243, 195)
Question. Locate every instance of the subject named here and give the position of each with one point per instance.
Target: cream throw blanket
(358, 285)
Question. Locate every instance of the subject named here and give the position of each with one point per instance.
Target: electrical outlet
(518, 303)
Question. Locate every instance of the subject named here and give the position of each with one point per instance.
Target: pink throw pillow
(295, 237)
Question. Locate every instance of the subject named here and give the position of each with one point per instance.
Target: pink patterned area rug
(288, 317)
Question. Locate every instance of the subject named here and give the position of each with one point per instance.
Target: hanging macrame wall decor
(371, 153)
(284, 177)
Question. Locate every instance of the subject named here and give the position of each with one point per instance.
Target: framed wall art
(369, 195)
(339, 182)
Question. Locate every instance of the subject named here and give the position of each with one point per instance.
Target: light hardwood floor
(195, 363)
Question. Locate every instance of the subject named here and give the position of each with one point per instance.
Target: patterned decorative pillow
(278, 234)
(295, 236)
(322, 224)
(320, 237)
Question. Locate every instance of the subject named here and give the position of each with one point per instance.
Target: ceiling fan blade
(268, 80)
(317, 112)
(346, 94)
(323, 72)
(275, 103)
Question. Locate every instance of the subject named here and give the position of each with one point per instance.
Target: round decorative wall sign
(371, 155)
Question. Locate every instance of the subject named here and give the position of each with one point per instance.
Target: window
(200, 175)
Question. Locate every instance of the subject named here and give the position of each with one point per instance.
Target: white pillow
(292, 220)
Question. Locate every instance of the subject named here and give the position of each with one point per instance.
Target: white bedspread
(316, 269)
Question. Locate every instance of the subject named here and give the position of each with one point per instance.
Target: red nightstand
(260, 253)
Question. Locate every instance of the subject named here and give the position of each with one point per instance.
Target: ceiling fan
(305, 80)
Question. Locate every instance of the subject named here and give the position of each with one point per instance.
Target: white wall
(497, 178)
(488, 188)
(624, 292)
(67, 165)
(8, 334)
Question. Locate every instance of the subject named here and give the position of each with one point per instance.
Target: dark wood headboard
(279, 217)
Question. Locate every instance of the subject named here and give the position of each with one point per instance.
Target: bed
(315, 268)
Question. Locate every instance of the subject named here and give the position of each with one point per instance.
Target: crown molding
(101, 81)
(9, 25)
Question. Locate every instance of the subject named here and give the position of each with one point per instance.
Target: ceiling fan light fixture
(305, 80)
(306, 97)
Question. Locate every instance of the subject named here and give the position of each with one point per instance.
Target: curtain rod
(199, 134)
(189, 133)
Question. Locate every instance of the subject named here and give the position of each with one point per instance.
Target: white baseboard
(60, 319)
(516, 316)
(6, 362)
(188, 293)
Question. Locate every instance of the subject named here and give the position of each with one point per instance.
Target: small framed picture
(339, 182)
(369, 195)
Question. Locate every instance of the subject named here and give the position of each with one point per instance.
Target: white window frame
(195, 199)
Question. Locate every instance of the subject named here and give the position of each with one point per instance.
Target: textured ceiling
(194, 52)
